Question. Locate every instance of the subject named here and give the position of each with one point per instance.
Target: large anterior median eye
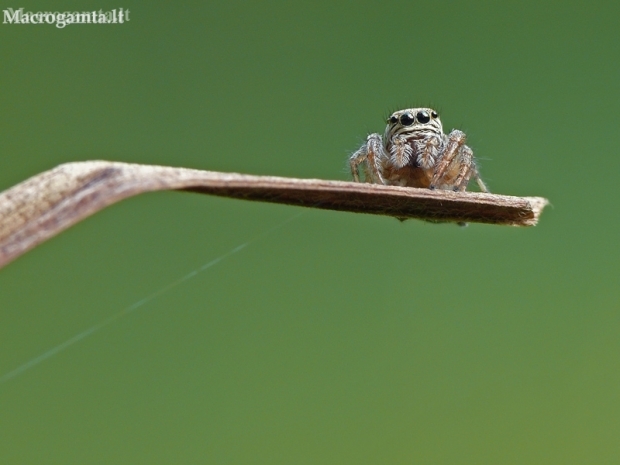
(407, 119)
(423, 117)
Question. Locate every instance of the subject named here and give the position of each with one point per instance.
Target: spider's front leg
(371, 155)
(466, 169)
(464, 166)
(455, 141)
(456, 165)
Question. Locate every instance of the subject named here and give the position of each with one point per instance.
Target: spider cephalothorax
(415, 152)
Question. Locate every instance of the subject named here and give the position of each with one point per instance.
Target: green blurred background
(337, 338)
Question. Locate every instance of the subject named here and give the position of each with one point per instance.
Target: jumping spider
(415, 152)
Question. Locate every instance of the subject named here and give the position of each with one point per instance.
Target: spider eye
(407, 119)
(392, 119)
(434, 114)
(423, 117)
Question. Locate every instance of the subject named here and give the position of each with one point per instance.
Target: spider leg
(371, 155)
(481, 185)
(456, 140)
(465, 162)
(355, 160)
(468, 169)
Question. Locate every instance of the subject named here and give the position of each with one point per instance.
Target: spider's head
(414, 122)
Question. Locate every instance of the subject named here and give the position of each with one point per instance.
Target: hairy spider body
(415, 152)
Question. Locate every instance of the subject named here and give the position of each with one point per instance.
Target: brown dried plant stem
(44, 205)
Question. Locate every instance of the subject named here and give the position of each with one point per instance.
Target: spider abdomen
(412, 176)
